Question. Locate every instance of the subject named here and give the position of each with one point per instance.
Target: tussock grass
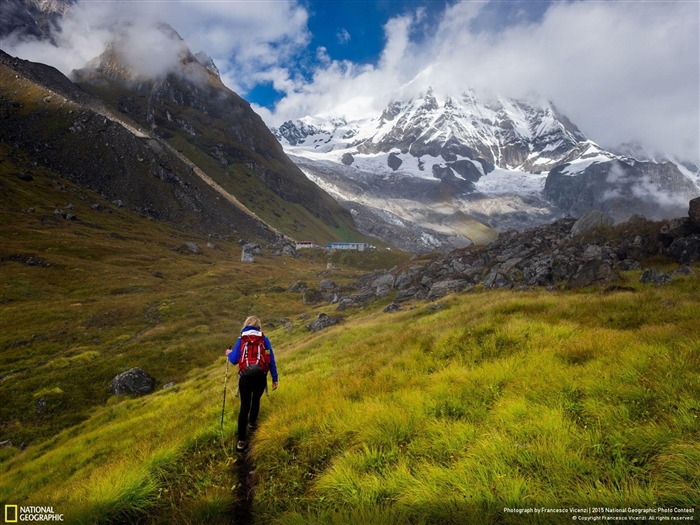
(498, 400)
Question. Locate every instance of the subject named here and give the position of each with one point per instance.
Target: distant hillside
(54, 124)
(191, 108)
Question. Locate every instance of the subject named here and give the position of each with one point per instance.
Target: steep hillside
(191, 108)
(49, 122)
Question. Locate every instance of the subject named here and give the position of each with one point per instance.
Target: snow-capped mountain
(447, 164)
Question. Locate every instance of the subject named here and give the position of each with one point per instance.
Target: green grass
(496, 400)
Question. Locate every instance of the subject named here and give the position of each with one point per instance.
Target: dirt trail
(242, 513)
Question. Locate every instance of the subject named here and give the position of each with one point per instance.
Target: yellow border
(7, 519)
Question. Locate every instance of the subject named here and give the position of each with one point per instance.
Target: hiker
(253, 355)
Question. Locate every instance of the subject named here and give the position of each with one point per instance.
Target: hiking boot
(240, 446)
(251, 428)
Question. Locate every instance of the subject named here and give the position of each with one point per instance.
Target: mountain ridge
(506, 163)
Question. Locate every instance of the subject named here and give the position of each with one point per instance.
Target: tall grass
(498, 400)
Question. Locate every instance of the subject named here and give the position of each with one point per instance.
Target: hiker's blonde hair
(252, 321)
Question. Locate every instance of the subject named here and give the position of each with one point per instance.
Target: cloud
(621, 71)
(247, 40)
(343, 36)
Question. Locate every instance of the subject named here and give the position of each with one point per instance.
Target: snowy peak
(497, 132)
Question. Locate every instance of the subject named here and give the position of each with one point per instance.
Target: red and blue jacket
(235, 354)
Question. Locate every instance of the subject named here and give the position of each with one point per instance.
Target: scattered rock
(656, 277)
(118, 203)
(168, 385)
(591, 272)
(393, 307)
(322, 322)
(192, 247)
(133, 381)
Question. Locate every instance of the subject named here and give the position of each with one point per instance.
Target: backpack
(255, 358)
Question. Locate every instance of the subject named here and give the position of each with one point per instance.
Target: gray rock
(347, 159)
(656, 277)
(168, 385)
(133, 381)
(592, 272)
(192, 247)
(591, 220)
(683, 270)
(327, 284)
(394, 161)
(393, 307)
(249, 251)
(686, 249)
(412, 293)
(443, 288)
(677, 228)
(593, 251)
(694, 212)
(322, 322)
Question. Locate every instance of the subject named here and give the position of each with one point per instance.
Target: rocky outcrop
(566, 253)
(322, 322)
(134, 381)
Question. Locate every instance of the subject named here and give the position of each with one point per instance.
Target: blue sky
(354, 30)
(621, 70)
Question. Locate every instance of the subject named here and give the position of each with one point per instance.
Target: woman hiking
(253, 355)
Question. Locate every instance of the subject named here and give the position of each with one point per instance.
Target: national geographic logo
(17, 514)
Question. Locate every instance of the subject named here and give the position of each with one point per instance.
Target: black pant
(251, 389)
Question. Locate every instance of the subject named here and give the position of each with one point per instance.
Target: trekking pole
(223, 408)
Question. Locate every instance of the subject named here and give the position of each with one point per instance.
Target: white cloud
(621, 71)
(245, 39)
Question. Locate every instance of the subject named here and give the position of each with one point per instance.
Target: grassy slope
(119, 291)
(497, 399)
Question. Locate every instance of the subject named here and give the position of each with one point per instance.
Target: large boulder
(694, 212)
(133, 381)
(593, 271)
(686, 249)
